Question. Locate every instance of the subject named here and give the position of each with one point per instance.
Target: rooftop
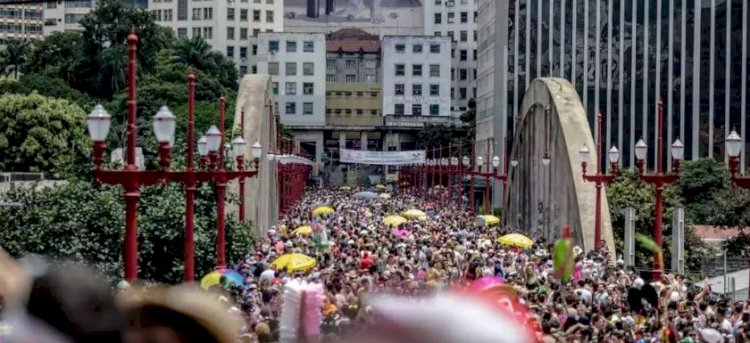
(353, 41)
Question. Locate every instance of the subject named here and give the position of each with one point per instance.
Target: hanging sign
(389, 158)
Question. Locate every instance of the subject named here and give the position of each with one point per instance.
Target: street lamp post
(659, 179)
(599, 178)
(734, 148)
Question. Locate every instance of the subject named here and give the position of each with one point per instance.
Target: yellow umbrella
(302, 230)
(210, 279)
(516, 240)
(414, 214)
(295, 262)
(323, 210)
(385, 196)
(380, 187)
(490, 220)
(394, 220)
(346, 188)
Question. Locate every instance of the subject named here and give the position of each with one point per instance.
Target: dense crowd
(356, 255)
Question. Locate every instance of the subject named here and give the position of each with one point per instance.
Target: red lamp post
(659, 179)
(734, 148)
(491, 174)
(599, 178)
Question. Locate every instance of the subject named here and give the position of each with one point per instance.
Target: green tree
(80, 222)
(701, 182)
(38, 133)
(13, 57)
(196, 53)
(57, 56)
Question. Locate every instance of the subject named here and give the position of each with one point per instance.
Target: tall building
(415, 76)
(456, 19)
(20, 22)
(228, 26)
(297, 65)
(65, 15)
(623, 56)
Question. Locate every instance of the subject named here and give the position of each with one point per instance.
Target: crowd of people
(356, 255)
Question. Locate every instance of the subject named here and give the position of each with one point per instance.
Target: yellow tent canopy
(490, 220)
(394, 220)
(516, 240)
(323, 210)
(414, 214)
(295, 262)
(303, 230)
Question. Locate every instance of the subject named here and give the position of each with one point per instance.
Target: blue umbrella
(366, 195)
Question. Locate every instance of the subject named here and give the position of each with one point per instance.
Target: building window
(230, 14)
(196, 32)
(308, 69)
(463, 55)
(417, 48)
(243, 14)
(434, 70)
(308, 46)
(464, 17)
(360, 111)
(255, 71)
(255, 49)
(269, 16)
(291, 88)
(291, 108)
(351, 78)
(196, 14)
(400, 70)
(398, 89)
(437, 33)
(464, 36)
(416, 89)
(434, 90)
(256, 15)
(243, 70)
(438, 18)
(182, 32)
(400, 48)
(270, 2)
(230, 51)
(451, 17)
(416, 70)
(331, 78)
(462, 93)
(291, 46)
(275, 87)
(208, 13)
(398, 109)
(52, 4)
(416, 109)
(370, 78)
(230, 33)
(273, 68)
(452, 35)
(243, 52)
(434, 109)
(330, 63)
(308, 88)
(351, 64)
(182, 10)
(307, 108)
(462, 74)
(273, 45)
(256, 32)
(371, 64)
(435, 48)
(291, 68)
(243, 33)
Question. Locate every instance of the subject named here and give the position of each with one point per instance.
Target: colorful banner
(388, 158)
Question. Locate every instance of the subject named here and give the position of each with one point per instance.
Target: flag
(563, 256)
(650, 245)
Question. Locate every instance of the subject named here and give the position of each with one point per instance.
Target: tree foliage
(701, 183)
(13, 57)
(79, 222)
(38, 133)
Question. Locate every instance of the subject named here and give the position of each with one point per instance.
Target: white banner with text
(388, 158)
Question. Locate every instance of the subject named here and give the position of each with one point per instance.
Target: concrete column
(363, 140)
(397, 139)
(342, 140)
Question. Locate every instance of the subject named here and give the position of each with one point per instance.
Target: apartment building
(64, 15)
(20, 22)
(456, 19)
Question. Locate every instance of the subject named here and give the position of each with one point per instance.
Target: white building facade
(456, 19)
(228, 26)
(415, 76)
(20, 22)
(64, 15)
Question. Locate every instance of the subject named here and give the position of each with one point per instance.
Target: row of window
(463, 35)
(417, 48)
(291, 46)
(230, 52)
(451, 17)
(207, 32)
(11, 13)
(290, 108)
(257, 15)
(19, 28)
(463, 54)
(351, 63)
(416, 70)
(350, 111)
(451, 3)
(351, 78)
(162, 15)
(348, 93)
(416, 109)
(290, 88)
(206, 13)
(290, 68)
(416, 89)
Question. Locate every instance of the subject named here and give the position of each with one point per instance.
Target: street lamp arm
(599, 178)
(660, 180)
(130, 177)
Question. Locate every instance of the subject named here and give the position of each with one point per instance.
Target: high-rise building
(20, 22)
(297, 65)
(622, 57)
(415, 76)
(456, 19)
(65, 15)
(228, 26)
